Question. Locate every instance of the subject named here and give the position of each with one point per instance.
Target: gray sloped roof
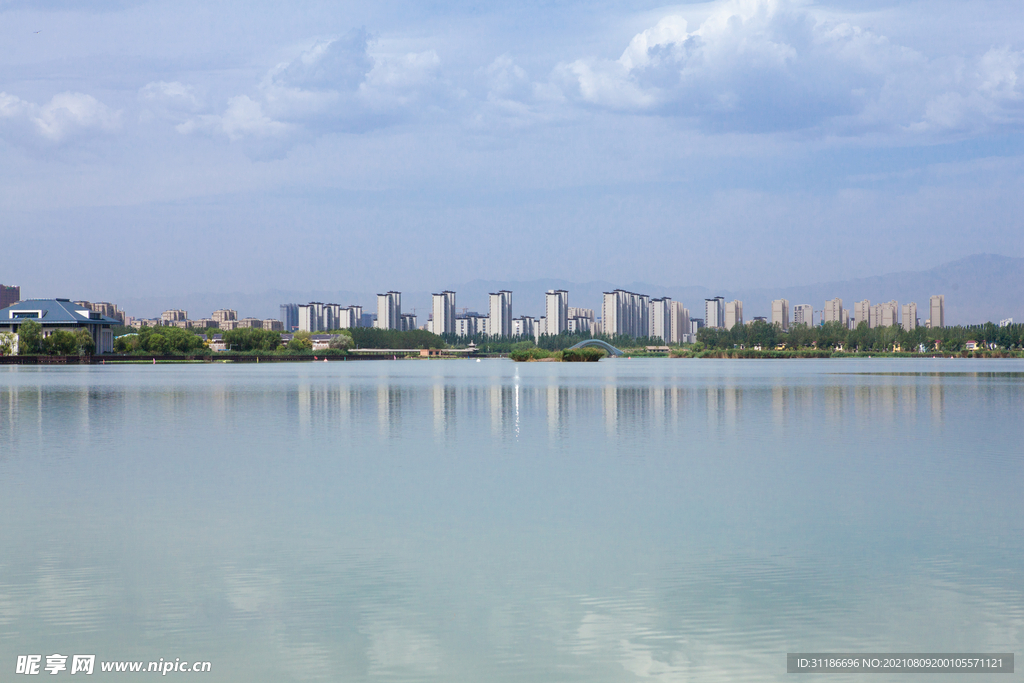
(54, 312)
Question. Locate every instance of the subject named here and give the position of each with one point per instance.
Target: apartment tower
(936, 311)
(780, 314)
(556, 311)
(389, 311)
(500, 322)
(442, 312)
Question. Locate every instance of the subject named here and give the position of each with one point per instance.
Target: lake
(451, 520)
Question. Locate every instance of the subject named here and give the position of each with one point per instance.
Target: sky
(148, 148)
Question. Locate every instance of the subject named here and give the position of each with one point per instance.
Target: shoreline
(723, 355)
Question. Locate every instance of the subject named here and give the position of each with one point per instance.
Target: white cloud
(767, 65)
(65, 116)
(243, 117)
(347, 83)
(171, 99)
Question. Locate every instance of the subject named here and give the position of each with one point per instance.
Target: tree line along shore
(756, 340)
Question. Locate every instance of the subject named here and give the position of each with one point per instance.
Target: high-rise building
(936, 311)
(442, 313)
(307, 318)
(407, 322)
(625, 313)
(470, 324)
(317, 316)
(890, 314)
(348, 317)
(884, 314)
(389, 311)
(714, 312)
(733, 314)
(679, 324)
(833, 311)
(500, 319)
(862, 313)
(289, 317)
(909, 316)
(803, 314)
(556, 311)
(224, 314)
(660, 325)
(580, 320)
(780, 313)
(9, 295)
(524, 327)
(695, 325)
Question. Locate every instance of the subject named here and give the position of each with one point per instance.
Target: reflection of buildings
(444, 405)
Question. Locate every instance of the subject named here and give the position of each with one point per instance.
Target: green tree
(60, 343)
(7, 343)
(86, 344)
(156, 343)
(301, 343)
(30, 338)
(166, 341)
(251, 339)
(126, 343)
(342, 340)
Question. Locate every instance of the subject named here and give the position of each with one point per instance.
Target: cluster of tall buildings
(622, 313)
(884, 314)
(558, 317)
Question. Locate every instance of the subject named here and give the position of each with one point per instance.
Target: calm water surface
(629, 520)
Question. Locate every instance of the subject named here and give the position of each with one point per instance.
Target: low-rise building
(174, 315)
(60, 314)
(224, 315)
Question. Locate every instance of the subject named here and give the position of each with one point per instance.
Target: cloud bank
(772, 65)
(342, 84)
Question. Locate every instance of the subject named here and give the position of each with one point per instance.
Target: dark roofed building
(60, 314)
(9, 295)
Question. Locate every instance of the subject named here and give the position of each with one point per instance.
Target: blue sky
(154, 147)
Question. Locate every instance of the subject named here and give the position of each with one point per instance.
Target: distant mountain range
(977, 288)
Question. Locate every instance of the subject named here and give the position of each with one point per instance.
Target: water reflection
(619, 522)
(512, 405)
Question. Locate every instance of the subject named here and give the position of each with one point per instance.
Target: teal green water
(629, 520)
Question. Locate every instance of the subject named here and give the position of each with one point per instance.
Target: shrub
(585, 355)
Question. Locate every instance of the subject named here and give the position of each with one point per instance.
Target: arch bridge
(598, 343)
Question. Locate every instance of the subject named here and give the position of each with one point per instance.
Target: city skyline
(984, 288)
(568, 141)
(623, 313)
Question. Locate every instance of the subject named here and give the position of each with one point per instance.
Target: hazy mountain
(977, 288)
